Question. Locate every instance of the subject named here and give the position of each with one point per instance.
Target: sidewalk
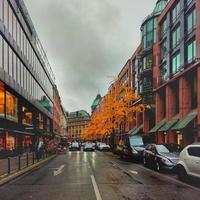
(31, 167)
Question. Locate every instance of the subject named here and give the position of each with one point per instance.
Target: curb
(27, 170)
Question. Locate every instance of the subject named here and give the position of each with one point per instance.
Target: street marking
(96, 189)
(58, 170)
(133, 172)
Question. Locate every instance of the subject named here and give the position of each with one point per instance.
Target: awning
(131, 131)
(185, 121)
(137, 130)
(157, 126)
(169, 124)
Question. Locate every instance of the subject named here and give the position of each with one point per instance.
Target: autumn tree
(117, 106)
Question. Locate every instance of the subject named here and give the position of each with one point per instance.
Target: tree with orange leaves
(118, 104)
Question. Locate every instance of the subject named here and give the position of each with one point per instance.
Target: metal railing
(14, 164)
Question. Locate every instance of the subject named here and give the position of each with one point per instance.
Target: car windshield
(89, 145)
(173, 147)
(136, 141)
(75, 144)
(162, 149)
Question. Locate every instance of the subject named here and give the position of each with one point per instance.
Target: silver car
(189, 162)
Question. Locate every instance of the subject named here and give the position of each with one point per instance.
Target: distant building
(76, 123)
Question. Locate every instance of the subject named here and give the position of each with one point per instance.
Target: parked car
(174, 147)
(75, 146)
(103, 147)
(117, 149)
(160, 157)
(61, 149)
(189, 163)
(133, 147)
(88, 147)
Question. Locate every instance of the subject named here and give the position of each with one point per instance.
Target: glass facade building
(26, 79)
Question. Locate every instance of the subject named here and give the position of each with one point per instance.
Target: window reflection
(10, 141)
(27, 116)
(2, 100)
(11, 107)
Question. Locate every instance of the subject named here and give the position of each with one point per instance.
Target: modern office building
(76, 123)
(26, 80)
(177, 73)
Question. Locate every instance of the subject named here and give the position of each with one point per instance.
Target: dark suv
(133, 147)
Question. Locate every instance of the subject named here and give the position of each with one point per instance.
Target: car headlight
(134, 151)
(166, 161)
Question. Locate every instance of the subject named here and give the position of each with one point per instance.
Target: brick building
(177, 73)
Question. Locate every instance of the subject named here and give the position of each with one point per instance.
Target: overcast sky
(87, 42)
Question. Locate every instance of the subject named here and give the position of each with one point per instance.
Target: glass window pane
(5, 52)
(11, 107)
(1, 51)
(2, 100)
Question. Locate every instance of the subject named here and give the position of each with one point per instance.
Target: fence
(13, 164)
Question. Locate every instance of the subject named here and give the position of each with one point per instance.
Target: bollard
(33, 158)
(19, 162)
(27, 159)
(8, 165)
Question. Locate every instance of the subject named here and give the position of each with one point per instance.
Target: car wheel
(157, 167)
(182, 174)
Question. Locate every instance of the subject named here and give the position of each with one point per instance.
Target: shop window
(2, 100)
(48, 125)
(191, 21)
(191, 51)
(10, 141)
(2, 141)
(11, 107)
(176, 35)
(27, 116)
(41, 122)
(194, 92)
(176, 63)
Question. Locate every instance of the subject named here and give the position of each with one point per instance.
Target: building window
(11, 107)
(10, 142)
(1, 52)
(148, 62)
(191, 21)
(176, 35)
(163, 28)
(48, 125)
(191, 51)
(41, 122)
(27, 116)
(176, 63)
(163, 72)
(2, 100)
(5, 52)
(163, 50)
(176, 11)
(2, 141)
(188, 2)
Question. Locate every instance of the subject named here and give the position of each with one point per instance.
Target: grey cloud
(87, 41)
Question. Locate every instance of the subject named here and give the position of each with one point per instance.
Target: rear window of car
(194, 151)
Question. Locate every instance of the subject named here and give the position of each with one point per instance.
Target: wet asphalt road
(95, 175)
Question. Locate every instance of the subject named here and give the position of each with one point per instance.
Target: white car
(189, 162)
(103, 147)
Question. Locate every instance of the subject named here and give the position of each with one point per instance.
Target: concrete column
(159, 107)
(184, 97)
(145, 122)
(139, 118)
(198, 102)
(170, 102)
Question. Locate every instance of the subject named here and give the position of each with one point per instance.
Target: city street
(95, 175)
